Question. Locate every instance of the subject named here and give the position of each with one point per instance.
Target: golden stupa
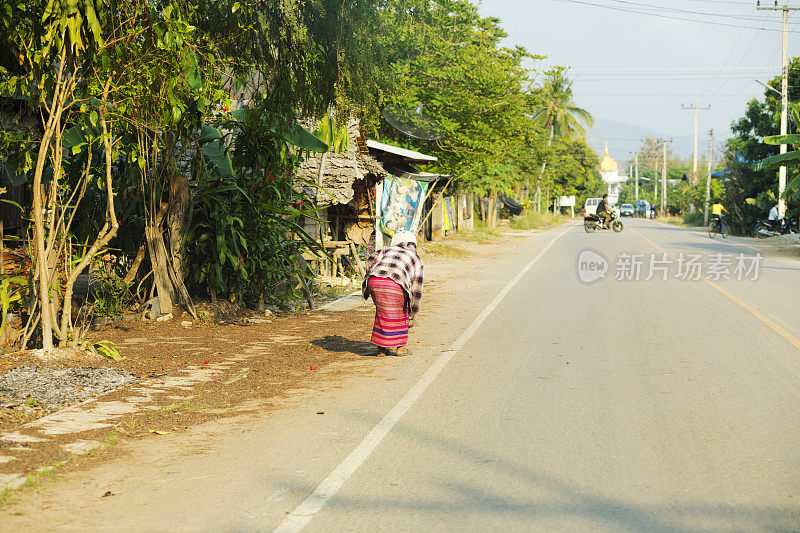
(607, 164)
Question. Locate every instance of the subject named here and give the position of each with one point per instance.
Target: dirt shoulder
(187, 375)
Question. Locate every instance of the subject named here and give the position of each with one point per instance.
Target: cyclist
(716, 213)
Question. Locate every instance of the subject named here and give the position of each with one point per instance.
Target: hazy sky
(639, 68)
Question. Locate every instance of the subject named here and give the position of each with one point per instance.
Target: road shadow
(337, 343)
(712, 246)
(542, 497)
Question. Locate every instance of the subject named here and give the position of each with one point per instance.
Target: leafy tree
(748, 180)
(574, 169)
(555, 113)
(53, 45)
(444, 55)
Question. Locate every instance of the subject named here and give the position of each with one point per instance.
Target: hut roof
(330, 176)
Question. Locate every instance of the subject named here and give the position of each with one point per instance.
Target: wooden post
(359, 266)
(378, 215)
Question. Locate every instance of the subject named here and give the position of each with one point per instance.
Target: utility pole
(636, 162)
(708, 178)
(655, 179)
(784, 94)
(697, 107)
(664, 179)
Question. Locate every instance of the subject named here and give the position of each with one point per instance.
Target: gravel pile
(783, 239)
(53, 388)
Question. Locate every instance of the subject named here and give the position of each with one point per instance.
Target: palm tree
(558, 114)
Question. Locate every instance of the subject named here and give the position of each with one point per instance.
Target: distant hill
(624, 139)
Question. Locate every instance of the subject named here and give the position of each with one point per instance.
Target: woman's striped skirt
(390, 329)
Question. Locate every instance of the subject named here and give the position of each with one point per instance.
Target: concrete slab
(19, 437)
(74, 421)
(345, 303)
(11, 481)
(81, 447)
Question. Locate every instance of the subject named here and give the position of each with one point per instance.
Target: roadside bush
(693, 219)
(110, 294)
(243, 236)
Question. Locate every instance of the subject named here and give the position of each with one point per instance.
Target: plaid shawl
(401, 264)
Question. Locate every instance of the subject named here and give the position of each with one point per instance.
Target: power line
(733, 48)
(660, 95)
(613, 8)
(620, 69)
(721, 2)
(678, 10)
(659, 78)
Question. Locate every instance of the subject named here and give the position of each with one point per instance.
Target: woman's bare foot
(400, 350)
(382, 351)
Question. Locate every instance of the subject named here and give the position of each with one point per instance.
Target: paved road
(618, 405)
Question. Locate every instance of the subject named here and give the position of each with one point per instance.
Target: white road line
(303, 514)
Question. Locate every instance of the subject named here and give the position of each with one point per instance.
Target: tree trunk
(131, 275)
(492, 209)
(541, 173)
(158, 260)
(39, 249)
(108, 231)
(176, 221)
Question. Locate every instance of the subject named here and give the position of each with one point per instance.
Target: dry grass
(444, 250)
(481, 234)
(531, 220)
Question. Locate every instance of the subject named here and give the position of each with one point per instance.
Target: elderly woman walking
(394, 280)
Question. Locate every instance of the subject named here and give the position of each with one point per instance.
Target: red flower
(271, 177)
(312, 368)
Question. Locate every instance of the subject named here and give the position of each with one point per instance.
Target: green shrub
(693, 219)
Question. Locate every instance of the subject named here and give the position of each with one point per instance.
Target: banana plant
(337, 138)
(791, 160)
(9, 295)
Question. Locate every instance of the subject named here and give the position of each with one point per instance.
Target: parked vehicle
(590, 207)
(594, 222)
(642, 208)
(771, 228)
(626, 210)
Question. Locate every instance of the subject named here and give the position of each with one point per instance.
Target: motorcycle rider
(777, 224)
(604, 211)
(773, 214)
(716, 212)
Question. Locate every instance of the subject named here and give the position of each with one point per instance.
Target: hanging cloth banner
(401, 204)
(448, 215)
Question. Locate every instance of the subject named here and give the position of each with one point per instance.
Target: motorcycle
(594, 222)
(771, 228)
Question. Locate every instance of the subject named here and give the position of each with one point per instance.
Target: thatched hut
(342, 186)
